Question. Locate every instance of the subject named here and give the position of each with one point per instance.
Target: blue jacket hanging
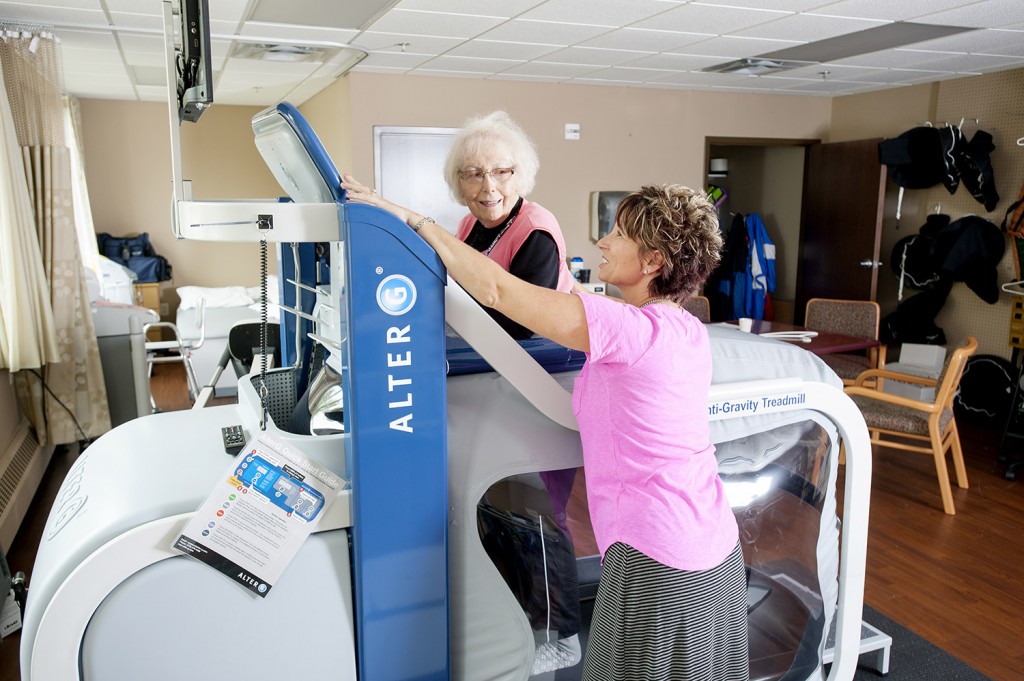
(758, 280)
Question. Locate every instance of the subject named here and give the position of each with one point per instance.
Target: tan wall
(330, 115)
(991, 103)
(628, 137)
(128, 169)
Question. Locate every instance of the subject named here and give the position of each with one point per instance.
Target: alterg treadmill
(398, 564)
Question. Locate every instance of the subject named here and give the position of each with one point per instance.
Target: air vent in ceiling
(754, 66)
(283, 52)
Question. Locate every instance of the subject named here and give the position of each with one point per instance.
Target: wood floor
(957, 581)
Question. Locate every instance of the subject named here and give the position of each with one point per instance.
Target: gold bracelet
(416, 227)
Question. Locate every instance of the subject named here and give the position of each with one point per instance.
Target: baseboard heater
(21, 470)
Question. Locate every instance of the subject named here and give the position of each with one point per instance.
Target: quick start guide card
(254, 522)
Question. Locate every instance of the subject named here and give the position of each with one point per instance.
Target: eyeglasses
(476, 175)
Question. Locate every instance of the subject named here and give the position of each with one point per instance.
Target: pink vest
(532, 216)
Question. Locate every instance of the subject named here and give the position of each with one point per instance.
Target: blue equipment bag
(137, 254)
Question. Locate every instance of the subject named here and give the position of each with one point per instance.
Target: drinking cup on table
(746, 323)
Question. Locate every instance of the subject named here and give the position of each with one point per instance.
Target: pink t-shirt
(641, 402)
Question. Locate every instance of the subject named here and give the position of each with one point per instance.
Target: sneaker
(556, 655)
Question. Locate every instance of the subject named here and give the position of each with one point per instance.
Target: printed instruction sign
(254, 521)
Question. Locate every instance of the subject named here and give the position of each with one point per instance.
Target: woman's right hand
(357, 192)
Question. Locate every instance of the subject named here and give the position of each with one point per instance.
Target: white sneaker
(556, 655)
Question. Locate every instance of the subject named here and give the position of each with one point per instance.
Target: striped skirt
(655, 622)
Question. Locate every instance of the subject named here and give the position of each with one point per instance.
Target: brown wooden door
(840, 223)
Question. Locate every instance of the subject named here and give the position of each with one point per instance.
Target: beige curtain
(28, 337)
(79, 190)
(66, 400)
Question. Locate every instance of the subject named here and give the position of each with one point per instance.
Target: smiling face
(490, 202)
(620, 260)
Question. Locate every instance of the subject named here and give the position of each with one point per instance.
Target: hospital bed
(395, 583)
(209, 313)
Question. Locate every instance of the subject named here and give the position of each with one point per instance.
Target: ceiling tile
(496, 8)
(778, 5)
(886, 10)
(497, 49)
(284, 33)
(549, 69)
(348, 15)
(984, 14)
(799, 26)
(675, 62)
(713, 19)
(434, 23)
(521, 30)
(645, 40)
(48, 14)
(468, 64)
(598, 12)
(735, 47)
(90, 40)
(133, 20)
(89, 61)
(632, 75)
(394, 60)
(149, 44)
(643, 43)
(373, 40)
(591, 55)
(967, 63)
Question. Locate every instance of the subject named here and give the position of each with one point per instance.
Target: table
(824, 343)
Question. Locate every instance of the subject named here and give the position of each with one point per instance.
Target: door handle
(868, 264)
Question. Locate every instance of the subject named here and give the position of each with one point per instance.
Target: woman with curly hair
(672, 599)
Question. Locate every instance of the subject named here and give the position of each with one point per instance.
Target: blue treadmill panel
(555, 358)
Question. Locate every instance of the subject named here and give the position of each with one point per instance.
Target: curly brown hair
(682, 225)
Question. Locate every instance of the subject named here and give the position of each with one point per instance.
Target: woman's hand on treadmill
(359, 193)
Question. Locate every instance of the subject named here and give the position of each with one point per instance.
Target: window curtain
(65, 399)
(28, 337)
(79, 190)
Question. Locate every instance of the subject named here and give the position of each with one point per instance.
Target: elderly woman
(491, 166)
(672, 599)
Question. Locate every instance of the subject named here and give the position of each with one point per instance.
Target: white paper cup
(746, 323)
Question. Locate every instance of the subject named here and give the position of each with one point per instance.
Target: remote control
(234, 439)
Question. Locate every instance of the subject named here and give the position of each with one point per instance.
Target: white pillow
(222, 296)
(255, 293)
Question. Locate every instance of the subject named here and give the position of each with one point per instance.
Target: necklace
(655, 300)
(503, 226)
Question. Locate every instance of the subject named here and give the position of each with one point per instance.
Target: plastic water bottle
(575, 265)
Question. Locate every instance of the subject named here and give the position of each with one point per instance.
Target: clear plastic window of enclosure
(781, 484)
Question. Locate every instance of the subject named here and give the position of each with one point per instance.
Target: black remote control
(234, 439)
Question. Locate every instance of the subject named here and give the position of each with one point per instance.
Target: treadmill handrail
(507, 357)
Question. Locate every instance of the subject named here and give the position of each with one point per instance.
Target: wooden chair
(912, 425)
(699, 307)
(851, 318)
